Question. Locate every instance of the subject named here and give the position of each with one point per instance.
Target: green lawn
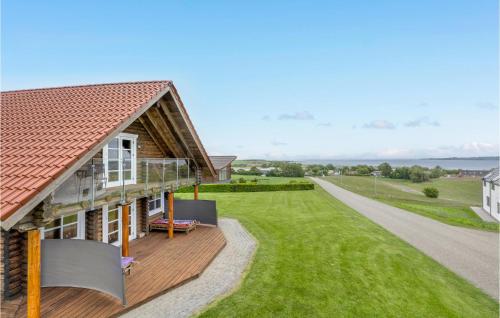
(452, 206)
(319, 258)
(269, 180)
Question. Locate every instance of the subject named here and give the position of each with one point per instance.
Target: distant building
(222, 165)
(491, 193)
(376, 173)
(472, 173)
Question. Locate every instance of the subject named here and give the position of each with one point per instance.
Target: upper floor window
(119, 158)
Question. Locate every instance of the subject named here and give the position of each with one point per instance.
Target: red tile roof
(44, 131)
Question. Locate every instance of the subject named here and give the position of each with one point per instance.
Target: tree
(363, 170)
(274, 173)
(385, 169)
(436, 172)
(292, 170)
(418, 174)
(345, 170)
(254, 171)
(330, 167)
(401, 173)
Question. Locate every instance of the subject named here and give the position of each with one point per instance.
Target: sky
(283, 79)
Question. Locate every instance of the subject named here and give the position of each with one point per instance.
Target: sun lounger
(179, 225)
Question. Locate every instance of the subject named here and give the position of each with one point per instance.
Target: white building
(491, 193)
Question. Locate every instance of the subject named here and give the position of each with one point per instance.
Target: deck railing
(89, 186)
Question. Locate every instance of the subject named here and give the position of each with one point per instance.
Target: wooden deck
(163, 264)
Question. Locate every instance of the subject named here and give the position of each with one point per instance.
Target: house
(96, 163)
(472, 173)
(222, 166)
(491, 193)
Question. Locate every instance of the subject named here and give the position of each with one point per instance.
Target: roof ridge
(87, 85)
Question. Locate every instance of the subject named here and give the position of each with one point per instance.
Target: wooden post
(196, 191)
(125, 221)
(34, 271)
(171, 214)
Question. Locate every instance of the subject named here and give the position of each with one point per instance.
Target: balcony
(89, 187)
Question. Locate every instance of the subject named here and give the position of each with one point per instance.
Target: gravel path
(471, 254)
(220, 278)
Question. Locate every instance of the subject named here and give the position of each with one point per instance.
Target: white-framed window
(112, 223)
(223, 174)
(119, 157)
(155, 204)
(65, 227)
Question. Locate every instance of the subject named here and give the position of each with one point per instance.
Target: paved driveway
(471, 254)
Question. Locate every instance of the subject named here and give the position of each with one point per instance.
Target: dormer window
(119, 158)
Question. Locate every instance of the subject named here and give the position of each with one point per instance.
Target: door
(112, 223)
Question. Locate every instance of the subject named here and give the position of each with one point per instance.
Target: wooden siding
(146, 147)
(163, 265)
(93, 225)
(11, 263)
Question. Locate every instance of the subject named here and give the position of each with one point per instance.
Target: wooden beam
(171, 119)
(125, 221)
(171, 214)
(185, 117)
(161, 129)
(171, 134)
(153, 136)
(196, 191)
(34, 272)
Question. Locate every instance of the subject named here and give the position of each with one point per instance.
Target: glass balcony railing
(89, 186)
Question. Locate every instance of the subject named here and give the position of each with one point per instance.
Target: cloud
(278, 143)
(379, 124)
(266, 118)
(328, 124)
(479, 147)
(486, 105)
(422, 104)
(470, 149)
(296, 116)
(422, 121)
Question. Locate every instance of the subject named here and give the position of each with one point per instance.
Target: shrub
(242, 180)
(227, 187)
(292, 181)
(431, 192)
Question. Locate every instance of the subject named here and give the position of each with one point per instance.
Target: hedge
(238, 187)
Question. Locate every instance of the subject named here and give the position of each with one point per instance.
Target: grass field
(268, 180)
(452, 206)
(318, 258)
